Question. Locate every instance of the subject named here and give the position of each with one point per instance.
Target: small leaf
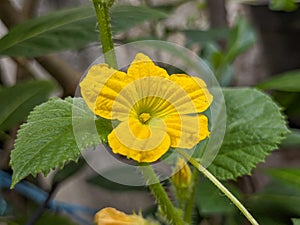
(289, 81)
(287, 176)
(49, 218)
(216, 59)
(104, 127)
(124, 17)
(69, 29)
(283, 5)
(204, 37)
(20, 99)
(296, 221)
(49, 138)
(292, 139)
(255, 127)
(241, 38)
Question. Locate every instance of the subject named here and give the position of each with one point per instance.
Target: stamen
(144, 117)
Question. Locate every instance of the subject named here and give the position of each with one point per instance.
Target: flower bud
(182, 178)
(111, 216)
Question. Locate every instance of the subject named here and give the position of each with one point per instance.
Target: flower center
(144, 117)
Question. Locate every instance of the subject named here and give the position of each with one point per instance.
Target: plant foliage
(251, 132)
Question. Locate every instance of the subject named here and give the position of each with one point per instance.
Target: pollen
(144, 117)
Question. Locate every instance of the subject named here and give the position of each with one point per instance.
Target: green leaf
(241, 38)
(20, 99)
(211, 201)
(278, 198)
(68, 29)
(204, 37)
(292, 139)
(47, 218)
(283, 5)
(289, 81)
(296, 221)
(124, 17)
(255, 127)
(59, 30)
(216, 59)
(287, 176)
(49, 138)
(270, 220)
(104, 127)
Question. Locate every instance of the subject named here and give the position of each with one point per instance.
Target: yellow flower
(111, 216)
(183, 176)
(156, 110)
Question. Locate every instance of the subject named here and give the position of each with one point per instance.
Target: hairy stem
(189, 208)
(219, 185)
(103, 17)
(161, 196)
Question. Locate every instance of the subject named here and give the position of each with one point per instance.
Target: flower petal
(100, 88)
(110, 104)
(97, 77)
(111, 216)
(143, 66)
(196, 90)
(186, 130)
(158, 96)
(141, 142)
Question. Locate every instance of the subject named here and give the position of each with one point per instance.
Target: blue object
(3, 206)
(39, 196)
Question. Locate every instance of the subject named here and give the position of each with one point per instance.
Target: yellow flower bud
(182, 178)
(111, 216)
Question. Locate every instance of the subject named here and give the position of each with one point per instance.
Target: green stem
(161, 196)
(219, 185)
(189, 208)
(103, 17)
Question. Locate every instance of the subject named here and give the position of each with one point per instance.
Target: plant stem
(161, 196)
(103, 17)
(189, 208)
(219, 185)
(38, 213)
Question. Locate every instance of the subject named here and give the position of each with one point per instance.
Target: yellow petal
(196, 90)
(141, 142)
(100, 88)
(186, 130)
(150, 95)
(111, 216)
(110, 104)
(143, 66)
(157, 96)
